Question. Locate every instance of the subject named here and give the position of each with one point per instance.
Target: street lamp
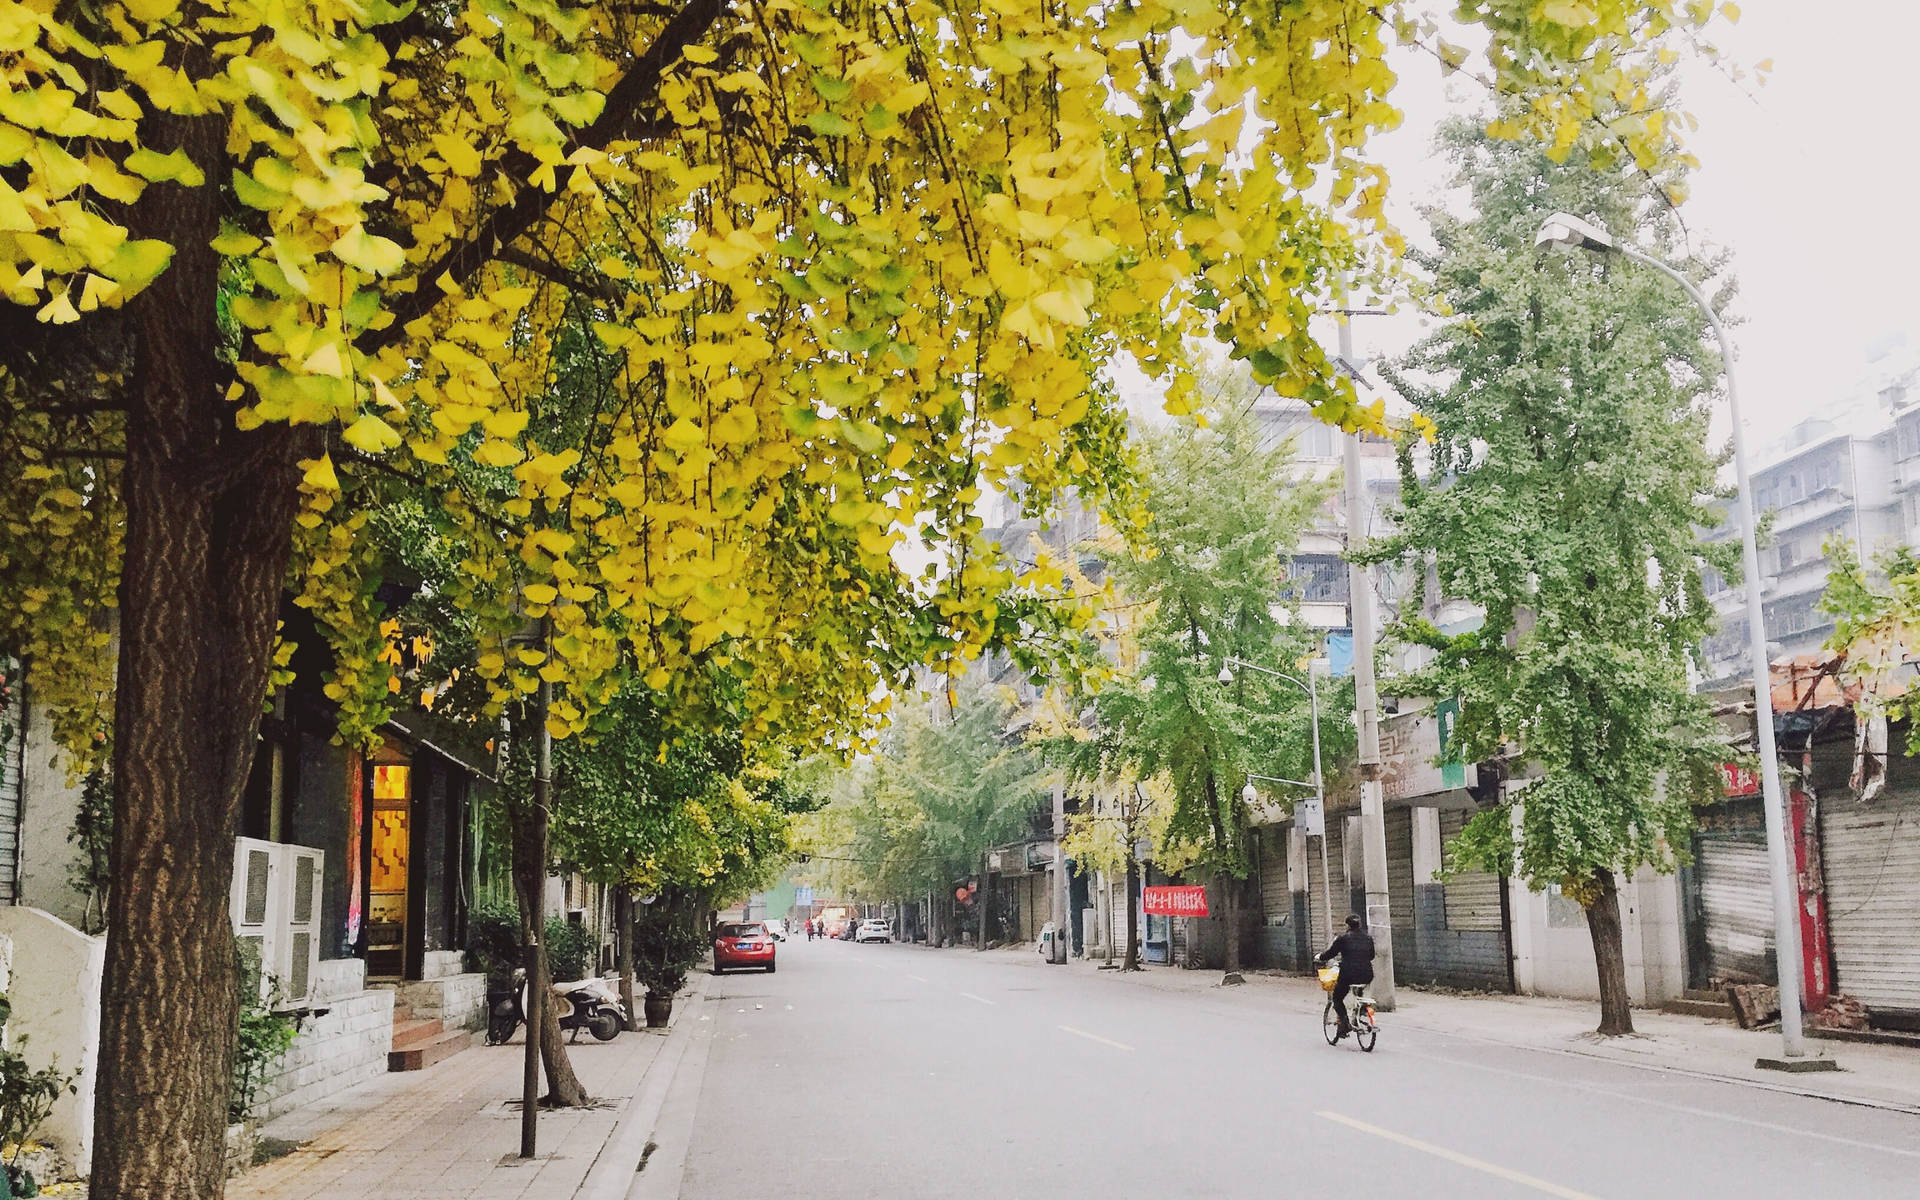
(1319, 777)
(1566, 233)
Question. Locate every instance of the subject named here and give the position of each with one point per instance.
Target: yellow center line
(1465, 1160)
(1094, 1037)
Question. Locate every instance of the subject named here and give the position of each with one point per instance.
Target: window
(1788, 555)
(1712, 581)
(1317, 579)
(1908, 441)
(1826, 474)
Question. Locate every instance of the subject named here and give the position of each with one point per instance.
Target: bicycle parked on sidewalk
(1360, 1012)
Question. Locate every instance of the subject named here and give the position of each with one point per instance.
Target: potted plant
(665, 947)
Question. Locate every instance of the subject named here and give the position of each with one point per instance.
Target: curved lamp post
(1567, 234)
(1319, 777)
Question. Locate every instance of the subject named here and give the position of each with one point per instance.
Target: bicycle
(1360, 1013)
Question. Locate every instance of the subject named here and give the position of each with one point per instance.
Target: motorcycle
(589, 1004)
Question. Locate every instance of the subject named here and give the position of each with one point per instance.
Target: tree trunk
(1609, 955)
(623, 953)
(564, 1089)
(1231, 895)
(1133, 913)
(985, 901)
(209, 520)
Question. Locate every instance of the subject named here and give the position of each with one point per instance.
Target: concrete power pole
(1373, 817)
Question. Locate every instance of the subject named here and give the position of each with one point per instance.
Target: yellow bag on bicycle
(1328, 977)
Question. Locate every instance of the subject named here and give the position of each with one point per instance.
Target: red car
(742, 945)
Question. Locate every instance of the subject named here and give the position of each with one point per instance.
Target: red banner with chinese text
(1175, 901)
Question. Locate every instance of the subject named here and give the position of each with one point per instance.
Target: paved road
(864, 1072)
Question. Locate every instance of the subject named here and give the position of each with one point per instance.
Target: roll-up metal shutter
(12, 757)
(1871, 859)
(1276, 902)
(1736, 903)
(1472, 897)
(1400, 873)
(1317, 936)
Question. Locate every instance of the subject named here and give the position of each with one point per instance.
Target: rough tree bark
(564, 1089)
(209, 513)
(1230, 894)
(983, 901)
(1609, 955)
(623, 953)
(1133, 912)
(1224, 878)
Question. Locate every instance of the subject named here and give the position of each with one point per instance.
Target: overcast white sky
(1810, 179)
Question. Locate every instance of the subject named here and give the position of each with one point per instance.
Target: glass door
(387, 875)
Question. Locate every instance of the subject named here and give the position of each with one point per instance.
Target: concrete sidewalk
(1880, 1076)
(454, 1130)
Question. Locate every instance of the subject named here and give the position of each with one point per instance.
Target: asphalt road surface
(876, 1071)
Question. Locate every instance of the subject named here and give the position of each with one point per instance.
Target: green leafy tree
(1569, 482)
(951, 780)
(1876, 609)
(1208, 573)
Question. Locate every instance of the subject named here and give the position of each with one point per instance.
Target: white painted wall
(1554, 950)
(47, 806)
(55, 991)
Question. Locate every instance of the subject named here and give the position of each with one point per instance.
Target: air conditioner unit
(276, 910)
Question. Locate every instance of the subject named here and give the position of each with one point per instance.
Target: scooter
(589, 1004)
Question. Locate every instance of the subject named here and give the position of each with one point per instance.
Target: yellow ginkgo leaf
(371, 434)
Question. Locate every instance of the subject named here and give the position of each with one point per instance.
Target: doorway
(390, 838)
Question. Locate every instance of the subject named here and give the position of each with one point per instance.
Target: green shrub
(570, 949)
(26, 1097)
(263, 1035)
(493, 941)
(667, 942)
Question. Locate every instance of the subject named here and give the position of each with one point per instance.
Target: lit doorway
(390, 852)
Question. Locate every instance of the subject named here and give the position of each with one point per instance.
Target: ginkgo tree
(853, 262)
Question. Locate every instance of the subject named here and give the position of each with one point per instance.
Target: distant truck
(833, 921)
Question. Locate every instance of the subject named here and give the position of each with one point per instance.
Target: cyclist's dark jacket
(1355, 951)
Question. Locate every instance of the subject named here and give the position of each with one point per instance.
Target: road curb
(1779, 1088)
(614, 1168)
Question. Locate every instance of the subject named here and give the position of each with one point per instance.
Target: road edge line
(619, 1158)
(1458, 1158)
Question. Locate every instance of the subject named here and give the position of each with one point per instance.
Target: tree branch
(636, 90)
(546, 268)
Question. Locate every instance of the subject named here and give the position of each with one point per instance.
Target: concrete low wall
(457, 1001)
(345, 1047)
(55, 992)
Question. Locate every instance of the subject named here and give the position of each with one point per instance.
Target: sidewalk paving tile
(445, 1132)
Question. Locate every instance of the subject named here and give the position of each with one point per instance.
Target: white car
(776, 929)
(873, 930)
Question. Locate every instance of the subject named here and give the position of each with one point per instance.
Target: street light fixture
(1566, 233)
(1319, 776)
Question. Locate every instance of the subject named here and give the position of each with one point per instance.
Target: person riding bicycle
(1354, 949)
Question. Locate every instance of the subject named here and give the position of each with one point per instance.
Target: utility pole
(1062, 920)
(1373, 817)
(536, 932)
